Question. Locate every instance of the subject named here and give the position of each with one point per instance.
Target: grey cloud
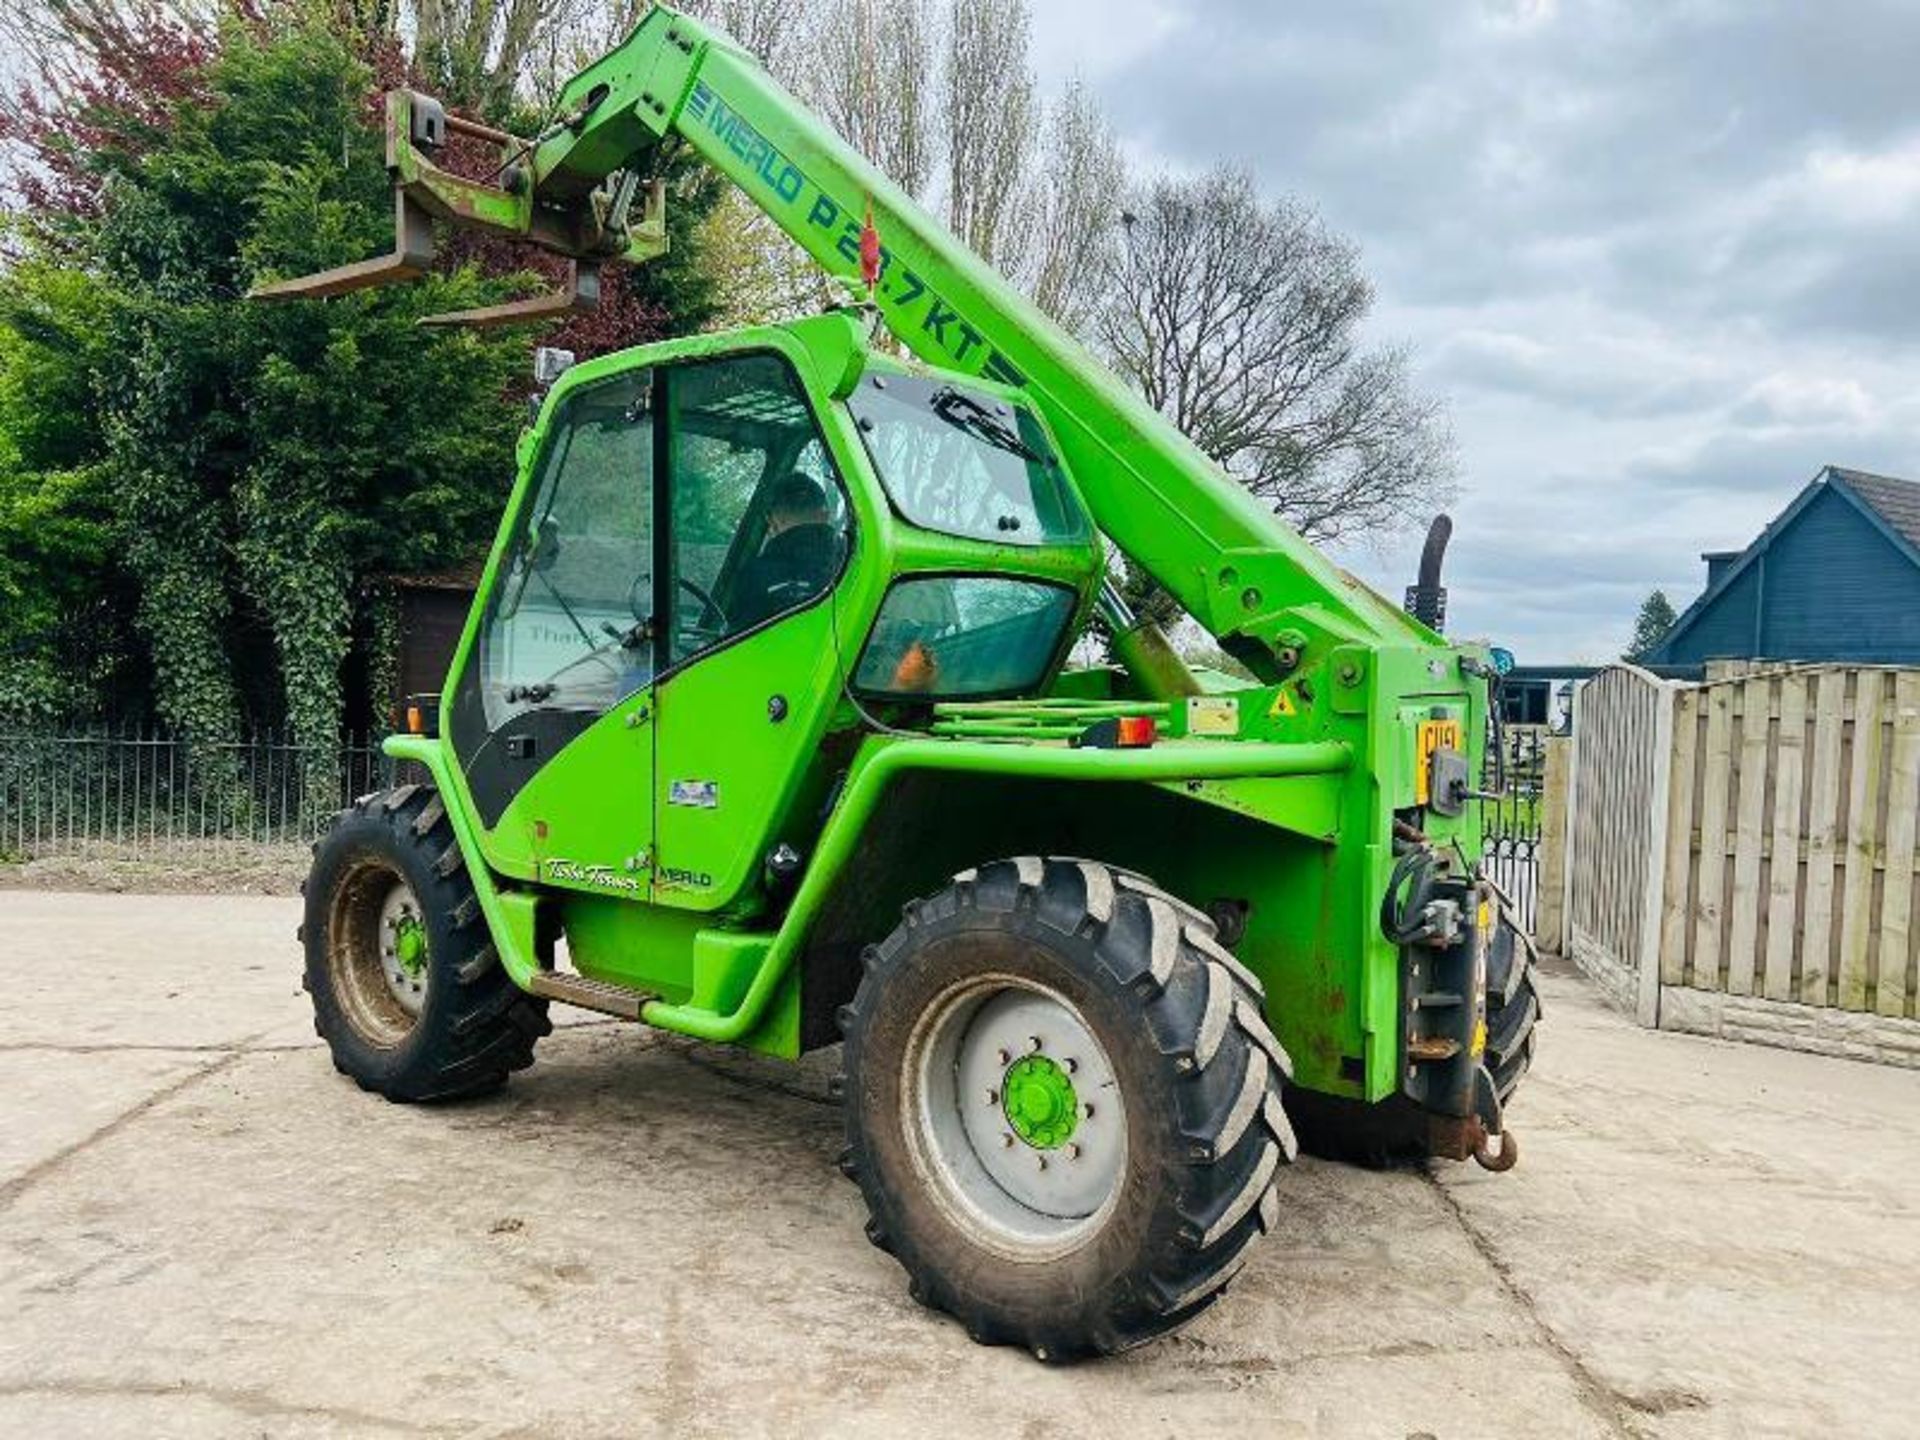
(1659, 254)
(1469, 154)
(1597, 383)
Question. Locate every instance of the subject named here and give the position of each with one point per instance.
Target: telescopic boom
(1268, 596)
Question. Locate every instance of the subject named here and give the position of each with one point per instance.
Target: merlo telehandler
(762, 731)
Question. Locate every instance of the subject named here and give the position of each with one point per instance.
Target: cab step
(598, 995)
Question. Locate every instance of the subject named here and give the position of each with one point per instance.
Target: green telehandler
(762, 731)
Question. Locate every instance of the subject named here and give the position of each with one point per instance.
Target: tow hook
(1494, 1147)
(1501, 1160)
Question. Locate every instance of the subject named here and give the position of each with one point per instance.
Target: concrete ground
(205, 1231)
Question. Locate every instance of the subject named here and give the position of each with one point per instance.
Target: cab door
(758, 533)
(551, 716)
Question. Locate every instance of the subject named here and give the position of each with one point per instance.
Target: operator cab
(706, 521)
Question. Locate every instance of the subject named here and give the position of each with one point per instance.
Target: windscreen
(961, 462)
(958, 637)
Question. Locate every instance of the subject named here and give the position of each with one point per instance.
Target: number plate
(1434, 735)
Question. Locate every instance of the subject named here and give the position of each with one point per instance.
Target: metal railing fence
(1510, 823)
(147, 795)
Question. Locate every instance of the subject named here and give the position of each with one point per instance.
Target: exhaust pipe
(1427, 600)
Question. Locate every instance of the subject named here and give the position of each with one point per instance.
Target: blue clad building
(1835, 578)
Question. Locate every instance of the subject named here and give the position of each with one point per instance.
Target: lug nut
(1073, 1066)
(1073, 1152)
(993, 1097)
(1043, 1161)
(1087, 1110)
(1035, 1039)
(1004, 1057)
(1006, 1140)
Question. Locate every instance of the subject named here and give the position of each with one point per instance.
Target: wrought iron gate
(1510, 822)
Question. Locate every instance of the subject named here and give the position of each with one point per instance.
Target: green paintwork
(1039, 1102)
(1282, 792)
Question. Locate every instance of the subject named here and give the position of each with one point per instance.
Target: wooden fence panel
(1863, 805)
(1823, 834)
(1550, 915)
(1744, 909)
(1616, 875)
(1710, 883)
(1755, 840)
(1676, 927)
(1789, 824)
(1892, 993)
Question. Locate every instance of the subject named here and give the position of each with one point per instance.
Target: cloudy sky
(1660, 256)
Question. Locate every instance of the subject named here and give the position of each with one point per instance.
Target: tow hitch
(1445, 923)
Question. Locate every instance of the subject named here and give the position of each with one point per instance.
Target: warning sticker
(697, 794)
(1213, 715)
(1434, 735)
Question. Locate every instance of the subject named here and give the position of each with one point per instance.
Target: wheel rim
(377, 953)
(1014, 1117)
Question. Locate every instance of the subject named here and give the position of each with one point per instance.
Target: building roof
(1890, 504)
(1895, 501)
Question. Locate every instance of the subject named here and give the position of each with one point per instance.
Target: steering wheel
(709, 607)
(640, 601)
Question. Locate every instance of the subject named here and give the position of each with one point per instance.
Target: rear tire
(1513, 1008)
(1041, 1227)
(407, 989)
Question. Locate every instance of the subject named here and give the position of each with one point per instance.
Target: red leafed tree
(109, 75)
(99, 98)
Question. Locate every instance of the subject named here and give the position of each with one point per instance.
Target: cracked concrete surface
(205, 1231)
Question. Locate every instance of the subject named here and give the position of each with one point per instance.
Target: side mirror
(545, 549)
(550, 363)
(538, 555)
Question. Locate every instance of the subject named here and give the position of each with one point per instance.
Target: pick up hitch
(599, 228)
(1443, 922)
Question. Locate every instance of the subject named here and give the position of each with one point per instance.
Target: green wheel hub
(410, 945)
(1040, 1102)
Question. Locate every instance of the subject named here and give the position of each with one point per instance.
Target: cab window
(963, 462)
(758, 524)
(568, 626)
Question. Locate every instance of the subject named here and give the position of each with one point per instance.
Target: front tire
(1063, 1106)
(407, 989)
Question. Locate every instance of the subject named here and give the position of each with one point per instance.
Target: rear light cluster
(1127, 732)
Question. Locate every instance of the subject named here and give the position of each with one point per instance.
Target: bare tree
(773, 30)
(1240, 321)
(871, 75)
(761, 276)
(570, 34)
(1074, 204)
(478, 53)
(67, 46)
(991, 124)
